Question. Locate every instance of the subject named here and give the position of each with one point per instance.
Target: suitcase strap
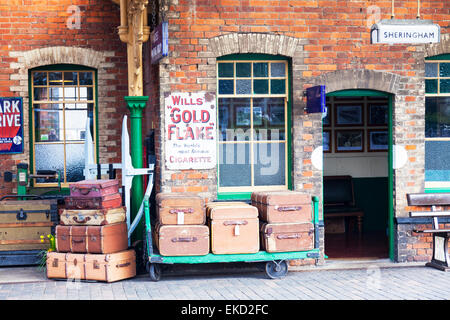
(283, 209)
(187, 239)
(187, 210)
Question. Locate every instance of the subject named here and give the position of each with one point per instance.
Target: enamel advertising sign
(11, 125)
(190, 130)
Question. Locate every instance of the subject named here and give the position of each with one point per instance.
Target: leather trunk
(94, 188)
(285, 237)
(234, 228)
(92, 217)
(182, 240)
(105, 202)
(92, 239)
(180, 208)
(22, 223)
(100, 267)
(283, 206)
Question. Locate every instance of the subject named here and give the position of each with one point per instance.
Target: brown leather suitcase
(283, 206)
(182, 240)
(105, 202)
(92, 217)
(100, 267)
(285, 237)
(92, 239)
(94, 188)
(180, 208)
(234, 228)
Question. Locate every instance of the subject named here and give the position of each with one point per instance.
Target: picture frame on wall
(378, 140)
(377, 115)
(276, 115)
(326, 137)
(349, 115)
(349, 140)
(242, 115)
(257, 116)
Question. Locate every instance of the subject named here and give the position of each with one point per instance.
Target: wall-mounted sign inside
(160, 42)
(11, 125)
(190, 130)
(315, 99)
(405, 31)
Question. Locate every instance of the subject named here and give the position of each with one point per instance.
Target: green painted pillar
(136, 105)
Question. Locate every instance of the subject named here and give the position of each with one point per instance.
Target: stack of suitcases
(92, 237)
(285, 220)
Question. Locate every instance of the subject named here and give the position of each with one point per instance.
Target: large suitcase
(105, 202)
(92, 239)
(94, 188)
(92, 217)
(182, 240)
(283, 206)
(101, 267)
(180, 208)
(22, 223)
(234, 228)
(285, 237)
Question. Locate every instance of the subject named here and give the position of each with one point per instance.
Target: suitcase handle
(282, 209)
(84, 220)
(191, 239)
(234, 223)
(77, 241)
(84, 191)
(288, 236)
(189, 210)
(123, 265)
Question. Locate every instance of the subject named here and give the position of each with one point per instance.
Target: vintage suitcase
(82, 202)
(94, 188)
(182, 240)
(101, 267)
(180, 208)
(92, 217)
(92, 239)
(23, 222)
(283, 206)
(284, 237)
(234, 228)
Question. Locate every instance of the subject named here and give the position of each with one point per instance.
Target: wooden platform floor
(372, 245)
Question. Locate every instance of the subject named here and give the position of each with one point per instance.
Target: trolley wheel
(276, 269)
(154, 272)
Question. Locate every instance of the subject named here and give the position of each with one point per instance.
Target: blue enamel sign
(315, 99)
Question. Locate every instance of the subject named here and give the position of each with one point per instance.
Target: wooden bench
(339, 200)
(440, 259)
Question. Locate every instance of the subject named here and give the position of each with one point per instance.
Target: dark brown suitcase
(182, 240)
(94, 188)
(285, 237)
(92, 239)
(180, 208)
(283, 206)
(106, 202)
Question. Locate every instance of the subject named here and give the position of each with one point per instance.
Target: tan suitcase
(97, 217)
(285, 237)
(100, 267)
(234, 228)
(180, 208)
(182, 240)
(283, 206)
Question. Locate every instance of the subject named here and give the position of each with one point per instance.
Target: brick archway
(438, 48)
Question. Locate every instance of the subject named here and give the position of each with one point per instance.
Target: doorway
(357, 144)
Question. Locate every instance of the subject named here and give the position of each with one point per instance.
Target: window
(437, 122)
(61, 99)
(253, 124)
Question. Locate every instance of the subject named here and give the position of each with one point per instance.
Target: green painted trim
(30, 127)
(234, 196)
(437, 190)
(358, 93)
(289, 126)
(445, 56)
(252, 56)
(391, 229)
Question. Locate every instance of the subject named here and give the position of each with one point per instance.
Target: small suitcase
(92, 239)
(182, 240)
(100, 267)
(105, 202)
(180, 208)
(94, 188)
(283, 206)
(234, 228)
(92, 217)
(285, 237)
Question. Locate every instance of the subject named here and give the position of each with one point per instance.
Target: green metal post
(136, 105)
(22, 179)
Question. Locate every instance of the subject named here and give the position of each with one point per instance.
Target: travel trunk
(180, 208)
(234, 228)
(283, 206)
(94, 188)
(285, 237)
(105, 202)
(92, 217)
(182, 240)
(100, 267)
(22, 223)
(92, 239)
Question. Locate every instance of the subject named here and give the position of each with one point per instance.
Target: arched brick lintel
(438, 48)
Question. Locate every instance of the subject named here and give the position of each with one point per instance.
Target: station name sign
(11, 125)
(190, 130)
(405, 31)
(159, 42)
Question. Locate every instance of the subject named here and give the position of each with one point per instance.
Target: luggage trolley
(276, 265)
